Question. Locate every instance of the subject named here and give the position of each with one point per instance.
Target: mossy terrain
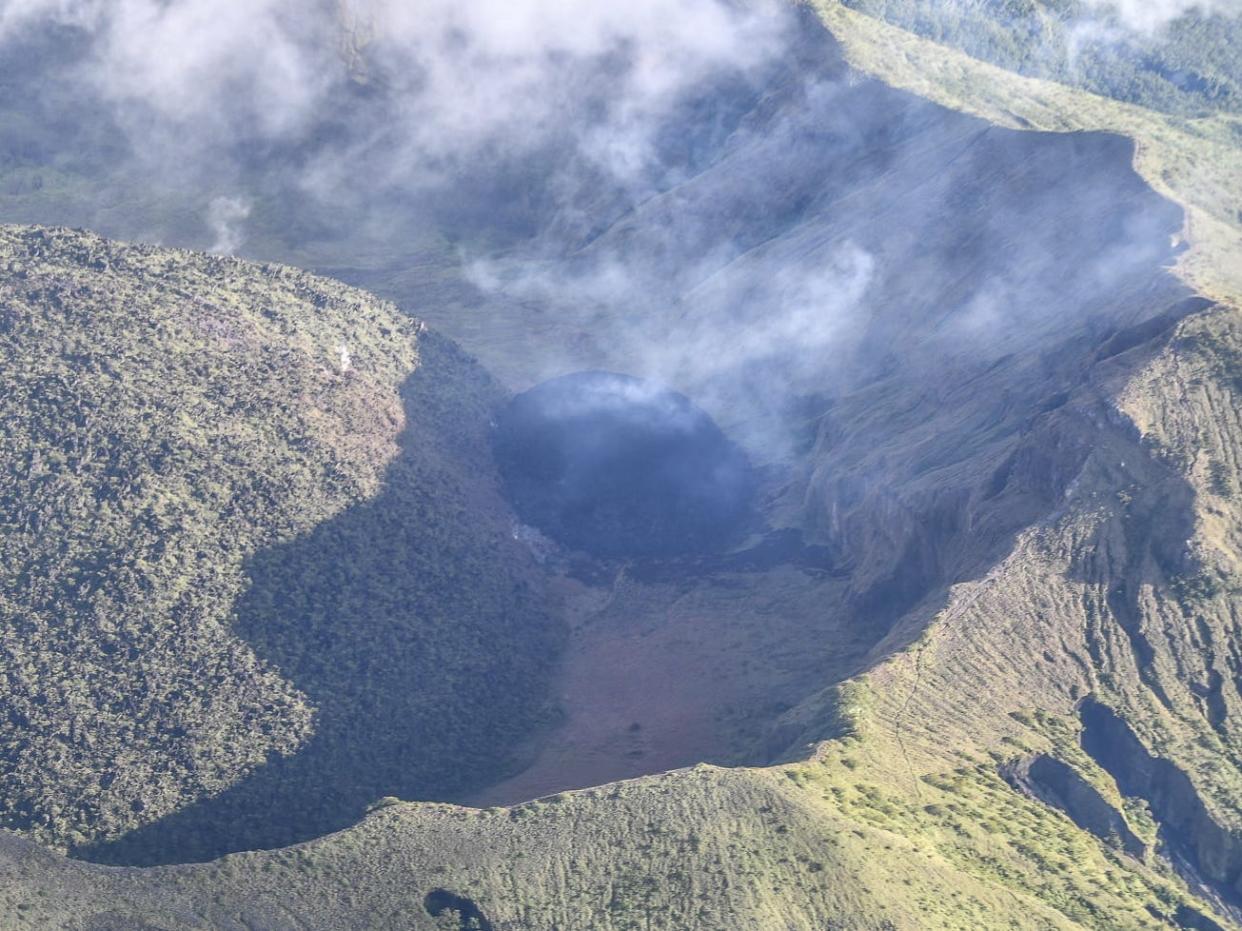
(197, 452)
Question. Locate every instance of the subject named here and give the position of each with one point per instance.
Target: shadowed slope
(164, 416)
(412, 624)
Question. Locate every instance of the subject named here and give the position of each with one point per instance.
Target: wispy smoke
(1151, 16)
(19, 14)
(693, 192)
(225, 217)
(198, 67)
(548, 118)
(743, 341)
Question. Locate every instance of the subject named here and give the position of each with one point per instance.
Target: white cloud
(199, 65)
(207, 74)
(1151, 16)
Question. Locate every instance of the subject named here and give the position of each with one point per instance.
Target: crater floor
(618, 466)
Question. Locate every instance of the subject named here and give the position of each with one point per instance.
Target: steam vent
(618, 466)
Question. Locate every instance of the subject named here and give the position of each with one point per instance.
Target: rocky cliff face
(1058, 784)
(1194, 835)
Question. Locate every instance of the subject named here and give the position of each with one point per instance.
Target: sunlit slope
(705, 848)
(190, 446)
(1180, 59)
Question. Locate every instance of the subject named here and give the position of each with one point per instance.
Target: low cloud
(745, 335)
(558, 144)
(226, 216)
(525, 121)
(488, 78)
(1151, 16)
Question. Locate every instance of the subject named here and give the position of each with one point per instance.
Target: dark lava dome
(617, 466)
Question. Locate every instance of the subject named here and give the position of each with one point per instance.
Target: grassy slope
(1190, 68)
(705, 848)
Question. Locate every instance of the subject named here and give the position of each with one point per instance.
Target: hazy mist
(700, 194)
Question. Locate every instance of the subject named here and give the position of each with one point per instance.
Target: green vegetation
(705, 849)
(224, 547)
(1194, 66)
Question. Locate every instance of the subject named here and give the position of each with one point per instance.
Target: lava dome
(617, 466)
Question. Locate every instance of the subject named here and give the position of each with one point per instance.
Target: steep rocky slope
(1107, 630)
